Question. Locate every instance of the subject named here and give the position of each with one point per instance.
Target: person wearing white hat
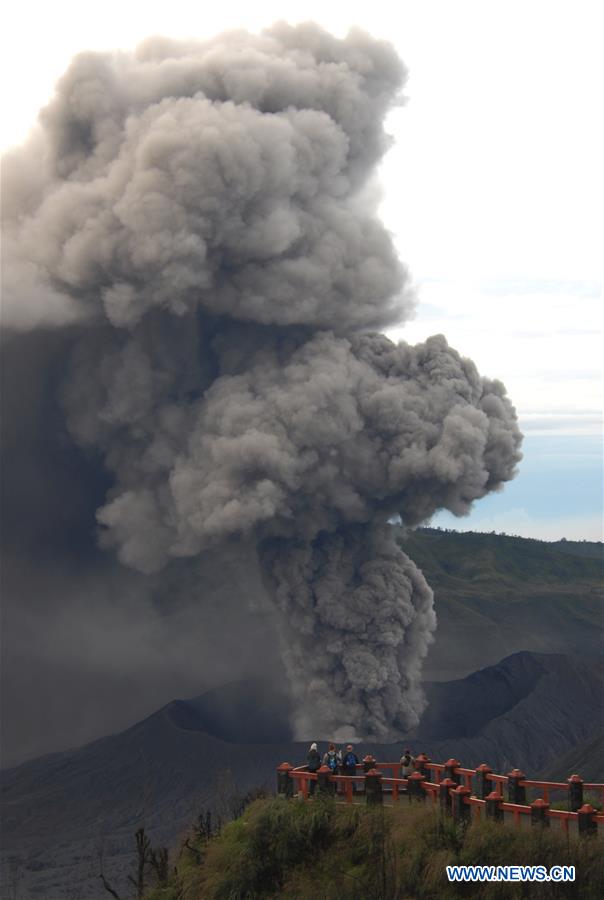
(313, 763)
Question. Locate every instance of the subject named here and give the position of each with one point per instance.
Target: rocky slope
(62, 811)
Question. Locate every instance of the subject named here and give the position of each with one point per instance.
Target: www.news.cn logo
(510, 873)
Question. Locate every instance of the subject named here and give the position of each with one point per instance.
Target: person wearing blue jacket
(349, 762)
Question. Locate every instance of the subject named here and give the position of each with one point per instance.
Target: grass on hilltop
(306, 851)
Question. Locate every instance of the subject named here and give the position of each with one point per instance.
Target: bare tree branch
(108, 887)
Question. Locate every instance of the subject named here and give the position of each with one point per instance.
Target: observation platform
(457, 791)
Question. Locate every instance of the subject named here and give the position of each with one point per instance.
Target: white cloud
(543, 341)
(562, 424)
(517, 521)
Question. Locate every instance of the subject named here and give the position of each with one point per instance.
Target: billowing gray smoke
(201, 215)
(357, 617)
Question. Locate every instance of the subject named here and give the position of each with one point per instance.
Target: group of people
(340, 762)
(345, 761)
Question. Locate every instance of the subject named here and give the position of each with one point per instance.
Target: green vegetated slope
(496, 595)
(595, 549)
(320, 850)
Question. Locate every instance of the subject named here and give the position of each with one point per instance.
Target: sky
(493, 193)
(493, 190)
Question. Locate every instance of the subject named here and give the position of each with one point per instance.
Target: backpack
(332, 761)
(350, 761)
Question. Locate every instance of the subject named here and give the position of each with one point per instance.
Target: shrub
(322, 850)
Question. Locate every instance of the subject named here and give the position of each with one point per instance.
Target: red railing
(451, 785)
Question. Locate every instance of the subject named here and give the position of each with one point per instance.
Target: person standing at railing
(313, 764)
(407, 764)
(350, 762)
(331, 760)
(340, 758)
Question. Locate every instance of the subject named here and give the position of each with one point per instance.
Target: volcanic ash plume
(357, 619)
(199, 215)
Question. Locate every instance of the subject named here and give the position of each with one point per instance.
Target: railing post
(586, 820)
(368, 763)
(285, 784)
(493, 807)
(421, 764)
(516, 791)
(348, 790)
(415, 786)
(444, 795)
(373, 787)
(539, 813)
(462, 811)
(575, 792)
(483, 785)
(450, 772)
(324, 784)
(305, 785)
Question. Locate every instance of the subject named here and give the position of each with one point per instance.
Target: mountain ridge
(496, 595)
(62, 810)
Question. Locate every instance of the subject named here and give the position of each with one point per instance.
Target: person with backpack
(339, 787)
(313, 764)
(331, 760)
(350, 762)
